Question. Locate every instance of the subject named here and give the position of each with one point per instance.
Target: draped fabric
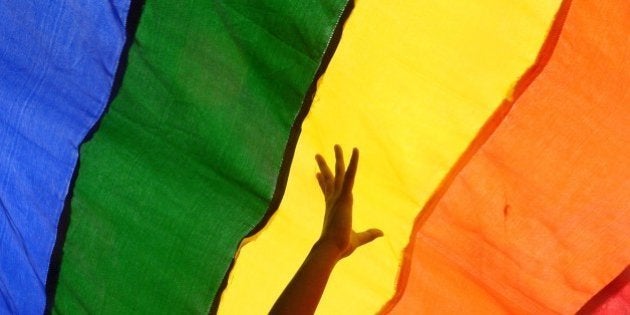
(410, 84)
(537, 219)
(186, 160)
(493, 137)
(57, 65)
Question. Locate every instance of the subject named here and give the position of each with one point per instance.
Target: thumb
(367, 236)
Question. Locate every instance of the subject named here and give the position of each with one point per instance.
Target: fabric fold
(185, 162)
(410, 85)
(536, 221)
(57, 65)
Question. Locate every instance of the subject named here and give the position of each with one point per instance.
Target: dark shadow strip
(480, 139)
(54, 266)
(612, 289)
(289, 151)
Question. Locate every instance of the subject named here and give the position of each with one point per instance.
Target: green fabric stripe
(185, 163)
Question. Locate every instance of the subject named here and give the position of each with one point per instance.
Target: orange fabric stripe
(493, 122)
(535, 221)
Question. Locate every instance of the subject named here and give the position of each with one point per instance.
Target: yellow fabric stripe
(410, 85)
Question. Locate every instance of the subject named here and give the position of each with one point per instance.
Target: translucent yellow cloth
(410, 85)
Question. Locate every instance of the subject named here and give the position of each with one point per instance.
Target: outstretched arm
(337, 240)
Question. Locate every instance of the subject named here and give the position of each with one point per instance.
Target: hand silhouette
(337, 240)
(337, 191)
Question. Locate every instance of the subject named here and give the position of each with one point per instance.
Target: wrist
(328, 248)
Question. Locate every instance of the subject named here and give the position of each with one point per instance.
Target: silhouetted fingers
(322, 182)
(367, 236)
(323, 168)
(351, 172)
(340, 167)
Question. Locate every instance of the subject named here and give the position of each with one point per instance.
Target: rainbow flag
(493, 136)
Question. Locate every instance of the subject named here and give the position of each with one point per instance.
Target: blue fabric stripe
(57, 65)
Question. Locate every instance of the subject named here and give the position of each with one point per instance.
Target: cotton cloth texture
(410, 84)
(186, 160)
(57, 65)
(536, 222)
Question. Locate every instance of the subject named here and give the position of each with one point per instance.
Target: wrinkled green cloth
(186, 161)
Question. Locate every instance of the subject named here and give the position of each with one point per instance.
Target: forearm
(304, 291)
(337, 240)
